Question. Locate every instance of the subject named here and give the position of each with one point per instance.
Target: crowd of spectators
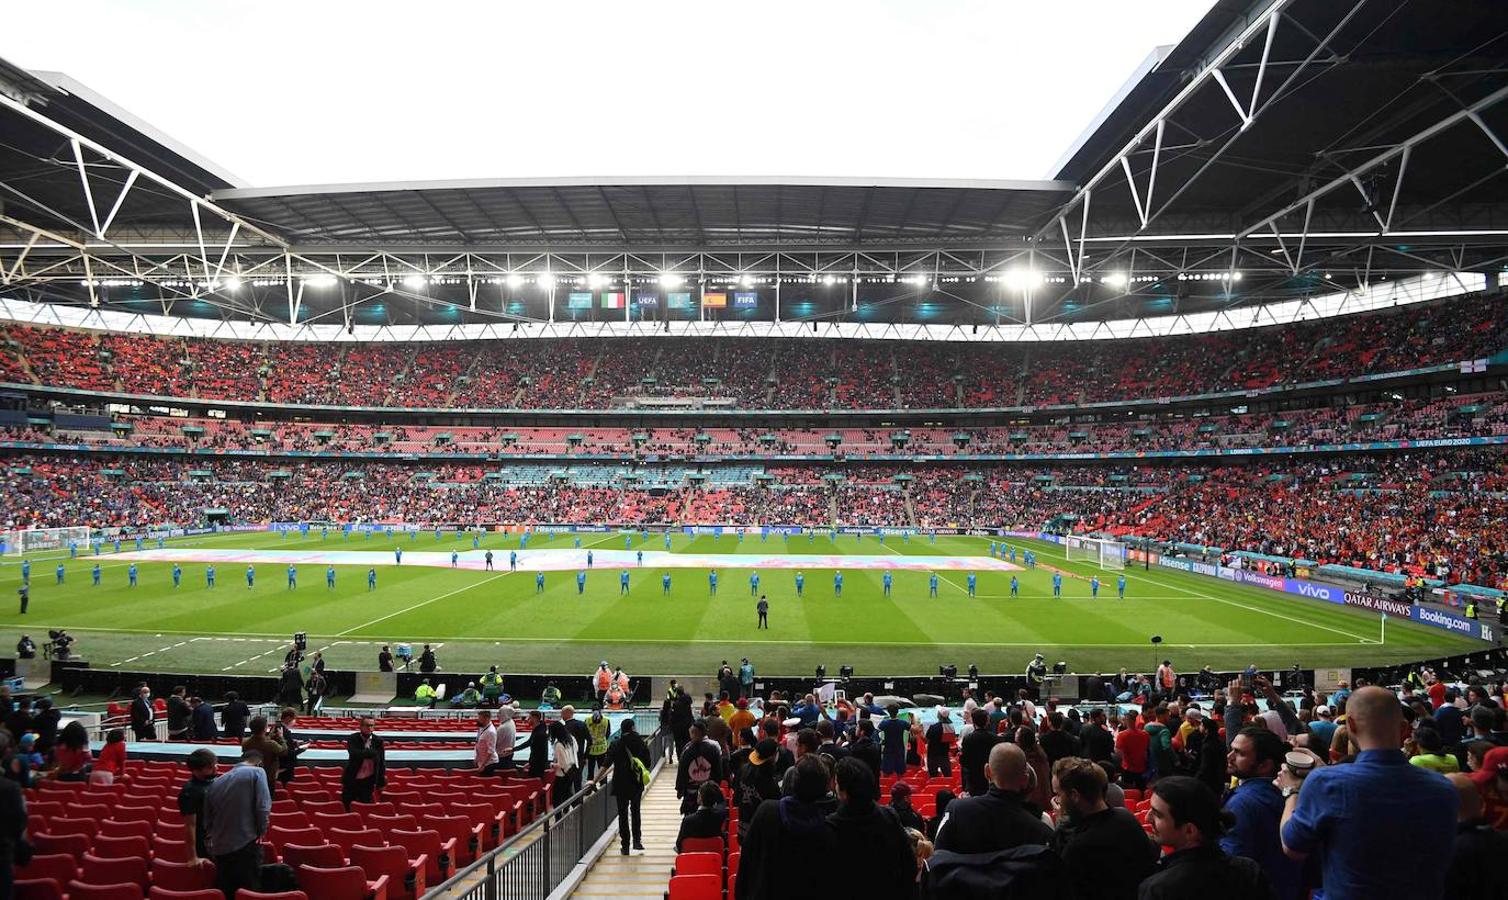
(784, 373)
(1433, 513)
(1415, 419)
(1230, 790)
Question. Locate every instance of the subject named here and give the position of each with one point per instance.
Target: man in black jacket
(628, 789)
(233, 715)
(756, 782)
(1186, 816)
(539, 745)
(202, 720)
(1001, 818)
(366, 765)
(1106, 854)
(707, 820)
(178, 714)
(142, 715)
(1098, 744)
(974, 753)
(583, 738)
(701, 762)
(865, 750)
(878, 861)
(1056, 740)
(13, 845)
(1476, 864)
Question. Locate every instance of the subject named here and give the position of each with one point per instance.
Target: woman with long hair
(72, 759)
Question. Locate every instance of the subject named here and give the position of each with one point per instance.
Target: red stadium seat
(98, 870)
(75, 845)
(370, 809)
(158, 893)
(325, 856)
(347, 820)
(468, 837)
(127, 828)
(308, 837)
(107, 847)
(169, 849)
(703, 845)
(177, 876)
(294, 819)
(346, 839)
(698, 864)
(348, 883)
(696, 887)
(244, 894)
(41, 889)
(427, 842)
(78, 890)
(733, 859)
(389, 823)
(60, 867)
(405, 875)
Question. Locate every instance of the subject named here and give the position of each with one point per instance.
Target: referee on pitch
(764, 612)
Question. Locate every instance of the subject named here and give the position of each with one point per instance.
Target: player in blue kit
(1057, 584)
(539, 582)
(177, 575)
(95, 574)
(476, 541)
(973, 584)
(1015, 586)
(623, 582)
(1120, 586)
(754, 584)
(581, 582)
(371, 579)
(628, 542)
(886, 580)
(138, 543)
(160, 542)
(667, 540)
(578, 542)
(117, 545)
(641, 558)
(209, 576)
(25, 571)
(60, 573)
(665, 584)
(397, 556)
(329, 578)
(131, 575)
(73, 549)
(292, 576)
(251, 576)
(994, 549)
(800, 583)
(513, 560)
(932, 585)
(712, 582)
(588, 559)
(1094, 587)
(837, 584)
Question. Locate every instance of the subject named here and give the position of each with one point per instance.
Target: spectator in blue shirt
(237, 806)
(1255, 757)
(1450, 719)
(1346, 813)
(894, 729)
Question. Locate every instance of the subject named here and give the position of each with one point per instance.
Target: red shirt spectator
(1132, 744)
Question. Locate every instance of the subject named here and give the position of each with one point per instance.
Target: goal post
(41, 540)
(1106, 554)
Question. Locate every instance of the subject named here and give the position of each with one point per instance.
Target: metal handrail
(467, 885)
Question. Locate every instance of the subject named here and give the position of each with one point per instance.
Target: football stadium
(1139, 530)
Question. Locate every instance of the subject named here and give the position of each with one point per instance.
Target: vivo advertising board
(1311, 589)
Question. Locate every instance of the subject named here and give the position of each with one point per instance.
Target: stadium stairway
(640, 877)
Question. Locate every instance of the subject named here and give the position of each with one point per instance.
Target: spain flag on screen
(714, 300)
(612, 300)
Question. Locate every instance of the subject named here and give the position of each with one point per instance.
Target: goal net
(38, 540)
(1107, 554)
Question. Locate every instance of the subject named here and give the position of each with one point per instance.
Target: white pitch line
(423, 603)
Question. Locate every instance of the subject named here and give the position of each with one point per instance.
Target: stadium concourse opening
(1033, 511)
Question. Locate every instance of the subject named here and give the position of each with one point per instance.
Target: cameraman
(26, 648)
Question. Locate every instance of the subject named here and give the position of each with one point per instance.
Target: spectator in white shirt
(486, 741)
(507, 737)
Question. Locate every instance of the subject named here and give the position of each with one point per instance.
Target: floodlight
(546, 281)
(746, 280)
(320, 281)
(596, 281)
(828, 280)
(232, 283)
(671, 279)
(1115, 279)
(515, 281)
(414, 282)
(1020, 279)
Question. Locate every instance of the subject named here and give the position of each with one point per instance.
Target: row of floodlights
(1016, 279)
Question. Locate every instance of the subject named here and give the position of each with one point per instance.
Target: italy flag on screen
(612, 300)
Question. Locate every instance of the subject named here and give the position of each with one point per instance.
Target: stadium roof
(653, 212)
(1306, 145)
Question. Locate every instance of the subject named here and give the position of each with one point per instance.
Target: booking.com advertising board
(1424, 615)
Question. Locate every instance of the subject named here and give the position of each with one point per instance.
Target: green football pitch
(478, 618)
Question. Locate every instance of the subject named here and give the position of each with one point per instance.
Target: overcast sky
(283, 93)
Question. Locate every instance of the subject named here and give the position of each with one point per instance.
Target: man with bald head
(1001, 818)
(1352, 815)
(1476, 868)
